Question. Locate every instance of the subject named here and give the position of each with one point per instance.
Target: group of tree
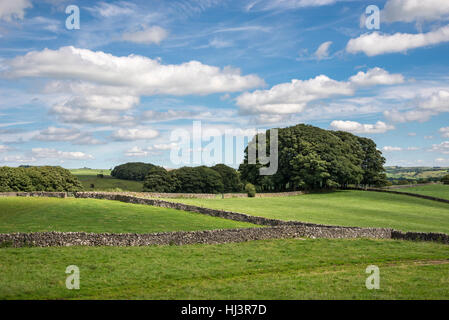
(311, 158)
(45, 178)
(217, 179)
(137, 171)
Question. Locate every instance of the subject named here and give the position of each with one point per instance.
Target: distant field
(346, 208)
(434, 190)
(90, 172)
(416, 172)
(108, 183)
(89, 215)
(275, 269)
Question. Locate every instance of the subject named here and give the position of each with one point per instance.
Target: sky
(136, 77)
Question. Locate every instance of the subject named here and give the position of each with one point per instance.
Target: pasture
(433, 190)
(345, 208)
(98, 216)
(274, 269)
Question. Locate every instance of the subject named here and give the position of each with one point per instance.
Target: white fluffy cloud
(376, 76)
(415, 10)
(444, 132)
(4, 148)
(443, 147)
(356, 127)
(13, 9)
(140, 74)
(391, 149)
(66, 134)
(408, 116)
(136, 152)
(375, 43)
(323, 50)
(134, 134)
(438, 102)
(148, 35)
(291, 97)
(61, 155)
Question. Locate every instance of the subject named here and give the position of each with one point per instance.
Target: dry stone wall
(275, 229)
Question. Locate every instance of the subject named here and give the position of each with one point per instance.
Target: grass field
(434, 190)
(90, 172)
(346, 208)
(109, 183)
(90, 215)
(275, 269)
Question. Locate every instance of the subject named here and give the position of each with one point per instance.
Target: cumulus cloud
(413, 10)
(171, 115)
(376, 76)
(18, 159)
(356, 127)
(13, 9)
(66, 134)
(136, 152)
(391, 149)
(134, 134)
(4, 148)
(291, 97)
(142, 75)
(408, 116)
(109, 10)
(148, 35)
(61, 155)
(444, 132)
(443, 147)
(323, 50)
(427, 106)
(375, 43)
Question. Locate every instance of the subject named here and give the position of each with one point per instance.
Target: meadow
(345, 208)
(272, 269)
(91, 182)
(434, 190)
(91, 215)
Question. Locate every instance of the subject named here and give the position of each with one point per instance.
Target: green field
(275, 269)
(109, 183)
(346, 208)
(415, 173)
(433, 190)
(90, 172)
(90, 215)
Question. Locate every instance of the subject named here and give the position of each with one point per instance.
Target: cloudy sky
(115, 89)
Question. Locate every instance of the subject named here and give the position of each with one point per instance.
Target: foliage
(313, 158)
(230, 178)
(136, 171)
(250, 190)
(158, 180)
(196, 180)
(44, 178)
(445, 179)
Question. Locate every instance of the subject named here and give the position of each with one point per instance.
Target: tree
(230, 178)
(158, 180)
(136, 171)
(250, 190)
(445, 179)
(314, 158)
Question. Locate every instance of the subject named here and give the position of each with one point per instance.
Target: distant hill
(415, 173)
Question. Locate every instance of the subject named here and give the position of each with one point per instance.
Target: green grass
(275, 269)
(90, 215)
(109, 183)
(346, 208)
(90, 172)
(433, 190)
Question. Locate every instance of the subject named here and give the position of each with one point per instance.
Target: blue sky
(115, 90)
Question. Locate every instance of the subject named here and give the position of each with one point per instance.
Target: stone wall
(63, 239)
(402, 193)
(277, 228)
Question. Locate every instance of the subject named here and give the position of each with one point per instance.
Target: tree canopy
(46, 178)
(314, 158)
(132, 171)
